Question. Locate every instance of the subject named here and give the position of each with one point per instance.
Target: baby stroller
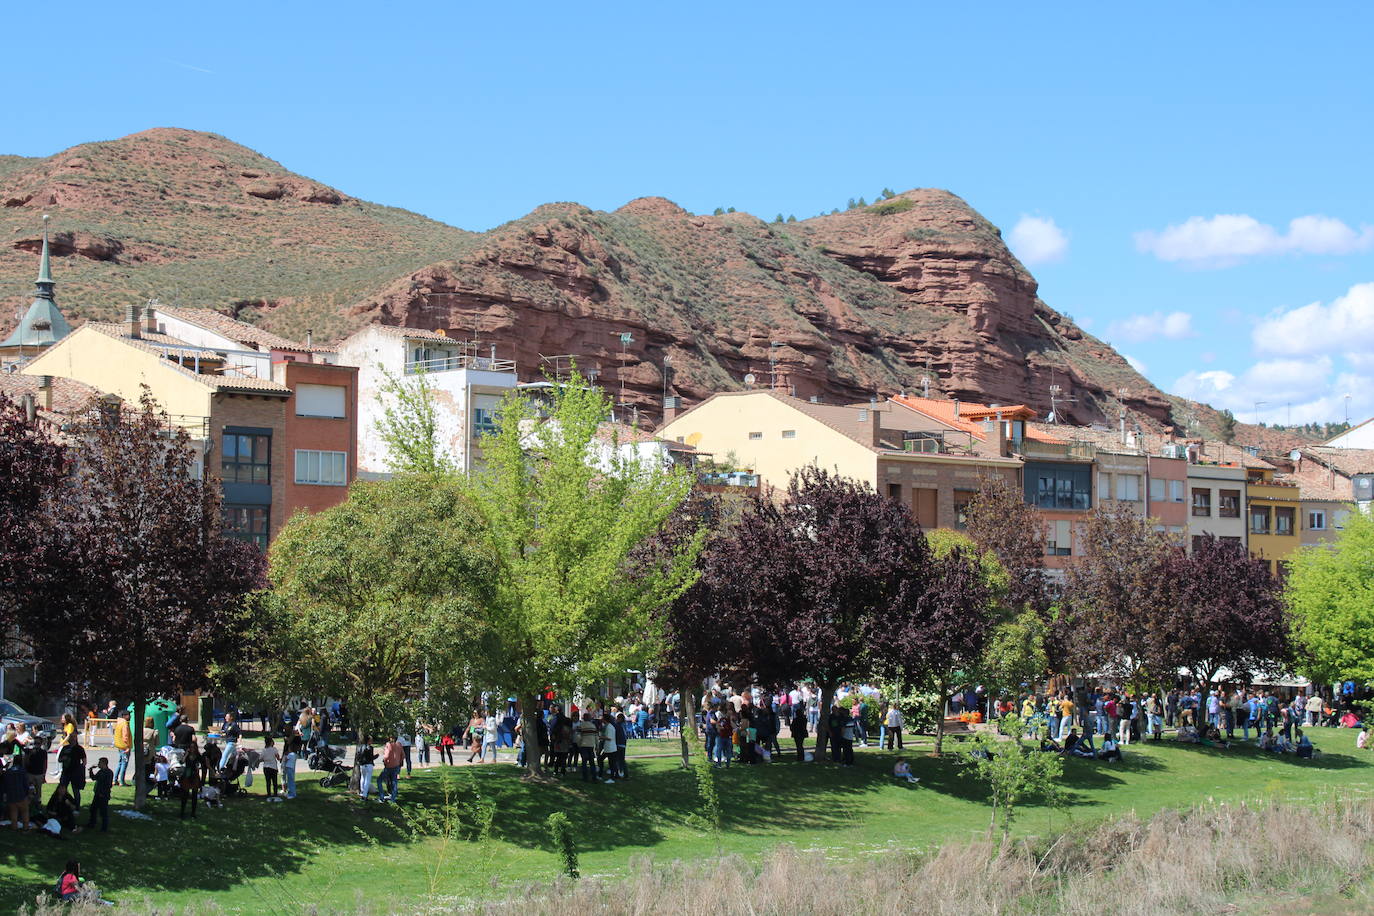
(243, 762)
(329, 761)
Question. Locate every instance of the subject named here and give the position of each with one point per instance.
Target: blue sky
(1154, 158)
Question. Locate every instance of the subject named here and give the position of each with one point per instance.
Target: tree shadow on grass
(217, 850)
(1237, 750)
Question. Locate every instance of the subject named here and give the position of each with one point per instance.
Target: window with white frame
(1176, 491)
(1128, 487)
(1158, 489)
(323, 468)
(320, 400)
(1316, 520)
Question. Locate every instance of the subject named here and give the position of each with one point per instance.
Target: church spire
(44, 282)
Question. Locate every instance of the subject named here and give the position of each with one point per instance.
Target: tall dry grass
(1223, 858)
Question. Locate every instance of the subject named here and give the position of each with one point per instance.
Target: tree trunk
(529, 733)
(941, 689)
(687, 721)
(136, 733)
(823, 721)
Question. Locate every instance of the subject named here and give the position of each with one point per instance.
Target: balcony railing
(459, 361)
(1077, 449)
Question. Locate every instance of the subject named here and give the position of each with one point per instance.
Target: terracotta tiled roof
(68, 395)
(1310, 488)
(1345, 461)
(232, 328)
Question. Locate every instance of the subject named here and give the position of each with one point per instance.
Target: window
(1259, 519)
(247, 458)
(962, 498)
(1228, 504)
(1158, 490)
(1057, 543)
(789, 434)
(1059, 486)
(1104, 485)
(753, 436)
(1202, 501)
(1284, 518)
(1233, 540)
(1316, 520)
(894, 492)
(1176, 491)
(320, 400)
(325, 468)
(247, 523)
(1128, 487)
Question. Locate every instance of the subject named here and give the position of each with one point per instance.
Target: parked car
(11, 713)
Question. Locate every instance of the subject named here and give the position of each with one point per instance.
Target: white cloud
(1344, 326)
(1225, 239)
(1136, 328)
(1135, 364)
(1037, 240)
(1288, 390)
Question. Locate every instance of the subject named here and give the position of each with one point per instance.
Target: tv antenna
(1057, 398)
(773, 348)
(626, 338)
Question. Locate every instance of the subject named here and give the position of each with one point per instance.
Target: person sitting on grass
(1282, 745)
(902, 770)
(62, 809)
(1083, 747)
(1110, 752)
(1304, 747)
(1266, 741)
(1049, 745)
(1071, 742)
(1362, 740)
(1213, 738)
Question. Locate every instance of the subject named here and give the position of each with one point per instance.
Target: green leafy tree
(1228, 427)
(888, 194)
(851, 204)
(409, 426)
(778, 218)
(1014, 772)
(718, 211)
(563, 509)
(1330, 595)
(862, 202)
(792, 217)
(373, 599)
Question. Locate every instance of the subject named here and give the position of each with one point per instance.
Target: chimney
(150, 317)
(995, 434)
(134, 328)
(956, 407)
(671, 406)
(309, 337)
(30, 407)
(45, 385)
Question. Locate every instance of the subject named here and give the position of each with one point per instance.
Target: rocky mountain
(916, 290)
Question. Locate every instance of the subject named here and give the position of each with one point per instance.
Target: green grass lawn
(326, 848)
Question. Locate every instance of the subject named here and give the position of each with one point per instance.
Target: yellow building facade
(1273, 519)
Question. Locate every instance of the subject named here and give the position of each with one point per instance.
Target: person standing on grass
(103, 778)
(288, 765)
(190, 782)
(392, 759)
(364, 758)
(622, 742)
(422, 732)
(271, 764)
(1123, 710)
(1066, 708)
(799, 731)
(123, 743)
(446, 747)
(490, 735)
(586, 747)
(894, 723)
(72, 763)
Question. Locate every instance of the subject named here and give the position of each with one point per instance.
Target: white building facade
(466, 388)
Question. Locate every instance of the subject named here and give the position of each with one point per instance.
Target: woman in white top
(489, 737)
(271, 763)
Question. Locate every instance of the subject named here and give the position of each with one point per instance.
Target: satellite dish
(749, 379)
(1295, 455)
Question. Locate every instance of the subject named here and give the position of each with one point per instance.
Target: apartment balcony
(459, 361)
(1075, 450)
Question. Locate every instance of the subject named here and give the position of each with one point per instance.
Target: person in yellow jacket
(123, 742)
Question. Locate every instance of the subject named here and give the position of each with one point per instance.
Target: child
(69, 884)
(288, 766)
(163, 775)
(1110, 752)
(902, 770)
(103, 778)
(1362, 742)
